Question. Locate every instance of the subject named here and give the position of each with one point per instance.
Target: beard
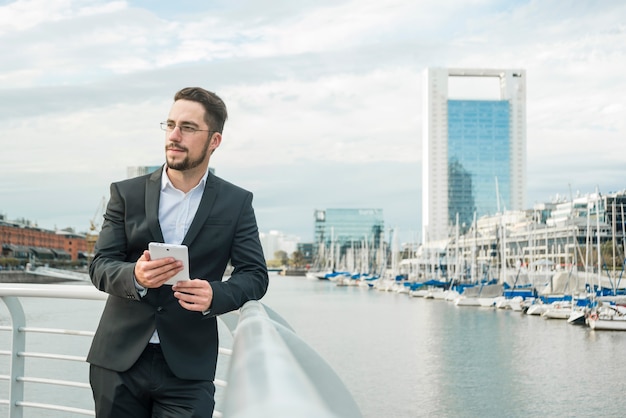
(187, 163)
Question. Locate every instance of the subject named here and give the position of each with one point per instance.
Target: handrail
(62, 291)
(270, 372)
(10, 294)
(274, 373)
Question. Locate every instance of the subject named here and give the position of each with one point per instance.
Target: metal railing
(274, 373)
(269, 370)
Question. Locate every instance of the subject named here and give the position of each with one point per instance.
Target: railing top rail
(295, 380)
(61, 291)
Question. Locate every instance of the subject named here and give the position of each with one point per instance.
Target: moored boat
(577, 317)
(608, 317)
(561, 309)
(536, 308)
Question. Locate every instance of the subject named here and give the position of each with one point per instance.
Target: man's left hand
(194, 295)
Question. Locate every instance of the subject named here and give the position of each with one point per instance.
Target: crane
(94, 224)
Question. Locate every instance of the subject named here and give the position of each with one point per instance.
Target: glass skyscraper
(478, 158)
(474, 151)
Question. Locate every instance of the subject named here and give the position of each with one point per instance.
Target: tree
(282, 257)
(297, 259)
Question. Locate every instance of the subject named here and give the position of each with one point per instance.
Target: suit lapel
(206, 203)
(153, 191)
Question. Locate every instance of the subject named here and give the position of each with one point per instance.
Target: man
(155, 350)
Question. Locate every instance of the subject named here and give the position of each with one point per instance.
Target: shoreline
(26, 277)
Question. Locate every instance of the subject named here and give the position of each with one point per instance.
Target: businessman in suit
(155, 349)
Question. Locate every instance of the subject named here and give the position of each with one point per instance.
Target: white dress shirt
(176, 212)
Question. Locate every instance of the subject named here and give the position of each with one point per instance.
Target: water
(409, 357)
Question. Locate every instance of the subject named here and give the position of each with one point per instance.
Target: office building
(474, 151)
(136, 171)
(345, 237)
(275, 241)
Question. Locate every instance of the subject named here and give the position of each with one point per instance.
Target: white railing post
(18, 345)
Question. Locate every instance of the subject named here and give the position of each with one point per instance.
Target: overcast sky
(324, 97)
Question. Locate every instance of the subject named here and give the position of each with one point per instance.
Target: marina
(562, 259)
(402, 356)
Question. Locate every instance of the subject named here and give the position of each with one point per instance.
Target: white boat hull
(465, 301)
(612, 318)
(450, 295)
(418, 293)
(536, 309)
(434, 294)
(486, 302)
(576, 317)
(562, 313)
(607, 324)
(558, 310)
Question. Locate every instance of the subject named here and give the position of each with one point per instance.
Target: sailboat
(328, 271)
(608, 317)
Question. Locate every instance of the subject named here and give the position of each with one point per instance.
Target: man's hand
(153, 273)
(194, 295)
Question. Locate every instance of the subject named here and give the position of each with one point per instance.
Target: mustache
(175, 147)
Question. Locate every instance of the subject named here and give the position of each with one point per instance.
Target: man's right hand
(153, 273)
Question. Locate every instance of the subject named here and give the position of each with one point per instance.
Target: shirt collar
(165, 180)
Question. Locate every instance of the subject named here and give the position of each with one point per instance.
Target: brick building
(22, 240)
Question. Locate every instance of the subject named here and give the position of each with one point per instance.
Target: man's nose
(176, 134)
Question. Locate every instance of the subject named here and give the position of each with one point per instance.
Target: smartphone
(179, 252)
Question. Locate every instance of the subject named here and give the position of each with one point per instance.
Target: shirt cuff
(140, 289)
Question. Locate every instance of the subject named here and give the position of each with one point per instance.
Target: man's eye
(187, 129)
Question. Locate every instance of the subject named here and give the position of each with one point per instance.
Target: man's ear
(216, 140)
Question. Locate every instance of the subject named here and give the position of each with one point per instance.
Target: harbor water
(402, 356)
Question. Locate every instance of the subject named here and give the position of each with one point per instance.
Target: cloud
(26, 14)
(325, 97)
(341, 119)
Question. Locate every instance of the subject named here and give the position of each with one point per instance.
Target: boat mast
(598, 239)
(457, 265)
(588, 265)
(503, 248)
(474, 244)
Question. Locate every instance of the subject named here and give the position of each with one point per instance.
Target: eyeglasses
(185, 129)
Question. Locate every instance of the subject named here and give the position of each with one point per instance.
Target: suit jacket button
(160, 309)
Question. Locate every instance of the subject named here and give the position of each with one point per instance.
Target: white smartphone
(179, 252)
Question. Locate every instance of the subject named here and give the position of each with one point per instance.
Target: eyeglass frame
(184, 129)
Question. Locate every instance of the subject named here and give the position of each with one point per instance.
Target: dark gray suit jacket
(223, 229)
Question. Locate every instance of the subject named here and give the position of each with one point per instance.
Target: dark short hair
(215, 109)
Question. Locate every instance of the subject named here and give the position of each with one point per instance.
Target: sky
(324, 97)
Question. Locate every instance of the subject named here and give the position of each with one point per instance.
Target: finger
(191, 306)
(188, 301)
(160, 262)
(191, 284)
(158, 275)
(169, 270)
(157, 267)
